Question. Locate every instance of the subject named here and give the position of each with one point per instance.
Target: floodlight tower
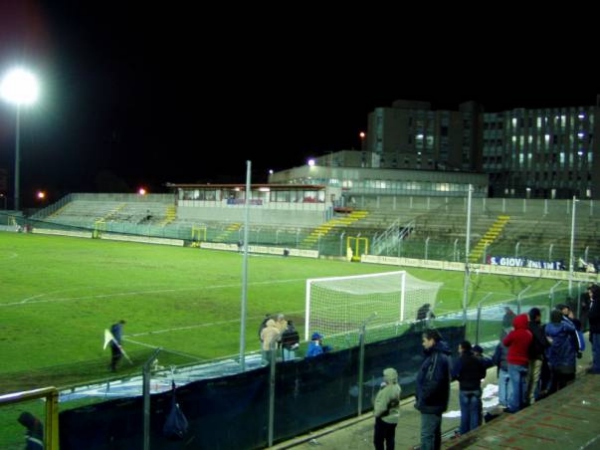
(19, 87)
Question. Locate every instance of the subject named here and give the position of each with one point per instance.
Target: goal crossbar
(337, 305)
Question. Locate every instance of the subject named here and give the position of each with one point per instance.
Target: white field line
(36, 299)
(188, 327)
(201, 325)
(127, 337)
(185, 355)
(11, 255)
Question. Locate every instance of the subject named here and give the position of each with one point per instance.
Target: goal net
(339, 305)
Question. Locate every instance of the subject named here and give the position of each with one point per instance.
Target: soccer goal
(339, 305)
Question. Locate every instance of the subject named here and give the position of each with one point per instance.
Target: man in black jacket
(290, 341)
(433, 389)
(594, 320)
(469, 370)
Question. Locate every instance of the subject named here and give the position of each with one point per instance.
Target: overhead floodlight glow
(19, 86)
(311, 162)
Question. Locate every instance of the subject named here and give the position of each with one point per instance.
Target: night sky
(143, 95)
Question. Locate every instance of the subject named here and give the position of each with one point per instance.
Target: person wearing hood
(387, 411)
(433, 389)
(34, 436)
(518, 342)
(270, 336)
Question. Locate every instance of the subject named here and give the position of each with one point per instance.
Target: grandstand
(417, 227)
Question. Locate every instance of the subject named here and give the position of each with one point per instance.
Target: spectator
(116, 349)
(290, 341)
(316, 347)
(387, 411)
(262, 325)
(424, 316)
(281, 322)
(501, 363)
(469, 370)
(487, 363)
(594, 320)
(562, 352)
(270, 336)
(576, 336)
(433, 389)
(584, 308)
(34, 434)
(509, 316)
(478, 352)
(537, 350)
(518, 342)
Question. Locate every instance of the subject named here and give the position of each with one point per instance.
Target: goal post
(99, 228)
(339, 305)
(358, 246)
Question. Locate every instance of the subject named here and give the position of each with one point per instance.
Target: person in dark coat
(34, 434)
(509, 316)
(424, 316)
(433, 389)
(594, 321)
(537, 350)
(290, 341)
(562, 353)
(115, 344)
(469, 370)
(499, 359)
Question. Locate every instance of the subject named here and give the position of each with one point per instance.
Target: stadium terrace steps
(322, 230)
(491, 235)
(112, 213)
(170, 215)
(225, 235)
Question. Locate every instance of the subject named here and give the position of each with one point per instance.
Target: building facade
(410, 149)
(542, 153)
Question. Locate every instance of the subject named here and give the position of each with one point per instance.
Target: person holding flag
(116, 348)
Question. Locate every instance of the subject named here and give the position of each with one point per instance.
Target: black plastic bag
(176, 425)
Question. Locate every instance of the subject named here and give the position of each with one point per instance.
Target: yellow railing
(50, 394)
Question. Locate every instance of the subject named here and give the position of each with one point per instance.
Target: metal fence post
(146, 389)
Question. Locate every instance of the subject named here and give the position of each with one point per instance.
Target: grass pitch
(58, 294)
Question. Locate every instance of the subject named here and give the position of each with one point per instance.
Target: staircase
(232, 228)
(112, 213)
(490, 236)
(170, 215)
(322, 230)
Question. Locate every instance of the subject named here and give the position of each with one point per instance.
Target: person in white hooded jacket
(387, 411)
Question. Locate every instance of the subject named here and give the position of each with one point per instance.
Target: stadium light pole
(245, 270)
(572, 253)
(467, 251)
(19, 87)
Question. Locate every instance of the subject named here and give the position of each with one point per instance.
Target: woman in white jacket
(387, 411)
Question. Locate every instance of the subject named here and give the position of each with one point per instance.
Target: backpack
(176, 425)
